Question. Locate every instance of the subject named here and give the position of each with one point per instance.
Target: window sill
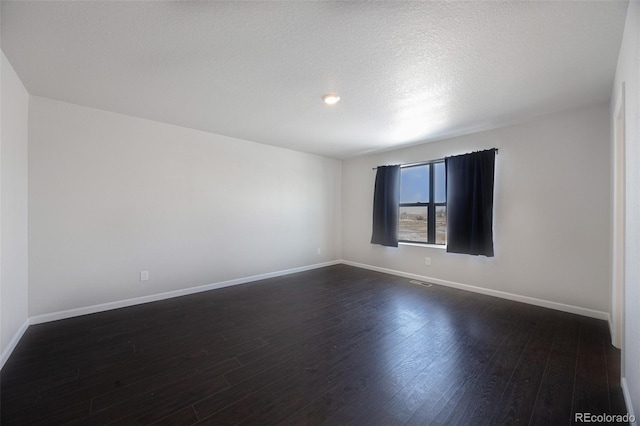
(435, 246)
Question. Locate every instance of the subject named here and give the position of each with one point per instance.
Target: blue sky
(414, 184)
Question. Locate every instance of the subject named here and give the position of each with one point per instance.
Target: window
(422, 216)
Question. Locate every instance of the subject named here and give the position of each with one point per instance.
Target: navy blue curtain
(470, 203)
(386, 198)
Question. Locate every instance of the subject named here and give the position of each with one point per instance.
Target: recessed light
(330, 98)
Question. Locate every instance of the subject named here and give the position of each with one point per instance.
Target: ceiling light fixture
(330, 98)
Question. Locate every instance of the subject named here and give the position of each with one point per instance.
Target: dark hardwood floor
(338, 345)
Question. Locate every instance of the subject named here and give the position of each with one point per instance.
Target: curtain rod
(420, 163)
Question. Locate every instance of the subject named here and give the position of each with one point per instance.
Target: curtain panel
(386, 198)
(470, 203)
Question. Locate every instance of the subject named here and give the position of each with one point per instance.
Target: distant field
(413, 227)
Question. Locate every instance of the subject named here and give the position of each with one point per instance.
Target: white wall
(13, 216)
(551, 211)
(111, 195)
(628, 72)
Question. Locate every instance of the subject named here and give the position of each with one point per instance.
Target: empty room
(319, 212)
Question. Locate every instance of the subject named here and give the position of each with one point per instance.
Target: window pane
(441, 224)
(413, 224)
(440, 180)
(414, 184)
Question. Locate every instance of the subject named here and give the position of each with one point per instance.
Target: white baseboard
(627, 399)
(38, 319)
(6, 353)
(54, 316)
(496, 293)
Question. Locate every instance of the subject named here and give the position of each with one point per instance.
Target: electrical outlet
(144, 275)
(319, 251)
(427, 261)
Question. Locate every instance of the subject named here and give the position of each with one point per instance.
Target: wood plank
(555, 396)
(518, 399)
(336, 345)
(479, 393)
(591, 390)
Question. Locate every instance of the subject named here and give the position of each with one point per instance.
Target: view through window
(423, 204)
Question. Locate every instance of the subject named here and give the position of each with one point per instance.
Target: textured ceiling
(407, 72)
